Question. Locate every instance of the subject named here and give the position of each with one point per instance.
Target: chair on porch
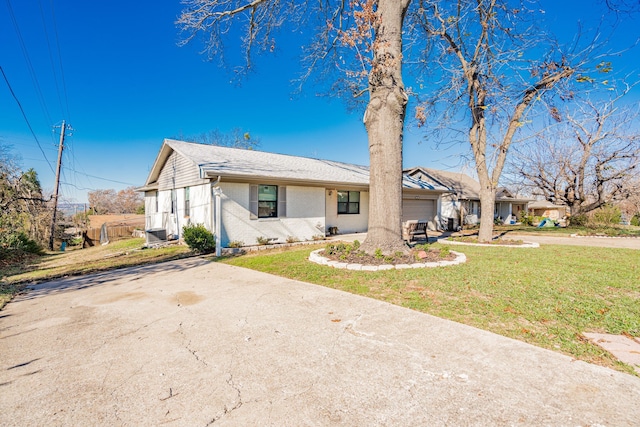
(414, 230)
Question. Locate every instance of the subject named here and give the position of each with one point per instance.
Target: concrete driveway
(195, 343)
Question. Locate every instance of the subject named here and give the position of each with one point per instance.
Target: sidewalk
(192, 342)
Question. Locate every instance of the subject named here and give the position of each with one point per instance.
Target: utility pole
(57, 186)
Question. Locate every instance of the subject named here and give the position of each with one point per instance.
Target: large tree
(370, 34)
(589, 159)
(496, 67)
(23, 210)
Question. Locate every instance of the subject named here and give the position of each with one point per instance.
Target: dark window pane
(348, 202)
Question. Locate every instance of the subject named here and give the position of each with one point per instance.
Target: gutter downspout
(216, 215)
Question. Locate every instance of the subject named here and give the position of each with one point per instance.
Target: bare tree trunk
(384, 121)
(487, 211)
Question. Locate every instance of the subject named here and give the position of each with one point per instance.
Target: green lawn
(546, 296)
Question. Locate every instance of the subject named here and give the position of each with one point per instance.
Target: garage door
(418, 209)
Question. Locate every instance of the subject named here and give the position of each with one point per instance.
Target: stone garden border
(319, 259)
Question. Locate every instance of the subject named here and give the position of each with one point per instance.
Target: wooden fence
(114, 232)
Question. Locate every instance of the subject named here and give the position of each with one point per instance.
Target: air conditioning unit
(156, 235)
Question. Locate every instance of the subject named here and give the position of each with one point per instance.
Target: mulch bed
(432, 255)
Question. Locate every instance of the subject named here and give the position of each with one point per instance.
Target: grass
(52, 265)
(607, 230)
(544, 297)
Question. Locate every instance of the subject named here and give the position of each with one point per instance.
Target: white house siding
(347, 223)
(179, 172)
(304, 217)
(200, 209)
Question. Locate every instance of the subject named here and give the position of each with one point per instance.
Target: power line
(25, 118)
(100, 178)
(28, 60)
(53, 68)
(57, 38)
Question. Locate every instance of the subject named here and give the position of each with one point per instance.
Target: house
(242, 195)
(545, 209)
(461, 205)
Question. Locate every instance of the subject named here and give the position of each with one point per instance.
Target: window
(267, 201)
(155, 202)
(348, 202)
(174, 202)
(187, 211)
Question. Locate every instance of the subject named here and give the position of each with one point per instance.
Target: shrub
(635, 220)
(261, 240)
(198, 238)
(445, 252)
(292, 239)
(21, 242)
(318, 237)
(236, 244)
(579, 220)
(607, 215)
(526, 219)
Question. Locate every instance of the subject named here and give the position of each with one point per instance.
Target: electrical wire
(53, 68)
(28, 60)
(57, 38)
(26, 119)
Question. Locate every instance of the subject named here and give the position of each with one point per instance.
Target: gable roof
(457, 182)
(544, 204)
(465, 187)
(213, 161)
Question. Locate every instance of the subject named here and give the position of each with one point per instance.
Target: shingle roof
(543, 204)
(461, 184)
(465, 187)
(215, 161)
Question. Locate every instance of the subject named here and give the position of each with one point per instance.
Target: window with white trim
(267, 201)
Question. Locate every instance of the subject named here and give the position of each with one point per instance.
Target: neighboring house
(267, 195)
(461, 204)
(545, 209)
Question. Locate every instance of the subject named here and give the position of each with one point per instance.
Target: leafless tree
(496, 68)
(365, 37)
(588, 160)
(237, 138)
(110, 201)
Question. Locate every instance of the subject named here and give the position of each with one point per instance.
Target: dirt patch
(188, 298)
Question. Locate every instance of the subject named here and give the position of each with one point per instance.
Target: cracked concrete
(194, 343)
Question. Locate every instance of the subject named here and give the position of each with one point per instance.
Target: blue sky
(114, 72)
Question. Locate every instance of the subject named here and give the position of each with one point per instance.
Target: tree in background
(110, 201)
(588, 160)
(361, 39)
(497, 68)
(234, 139)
